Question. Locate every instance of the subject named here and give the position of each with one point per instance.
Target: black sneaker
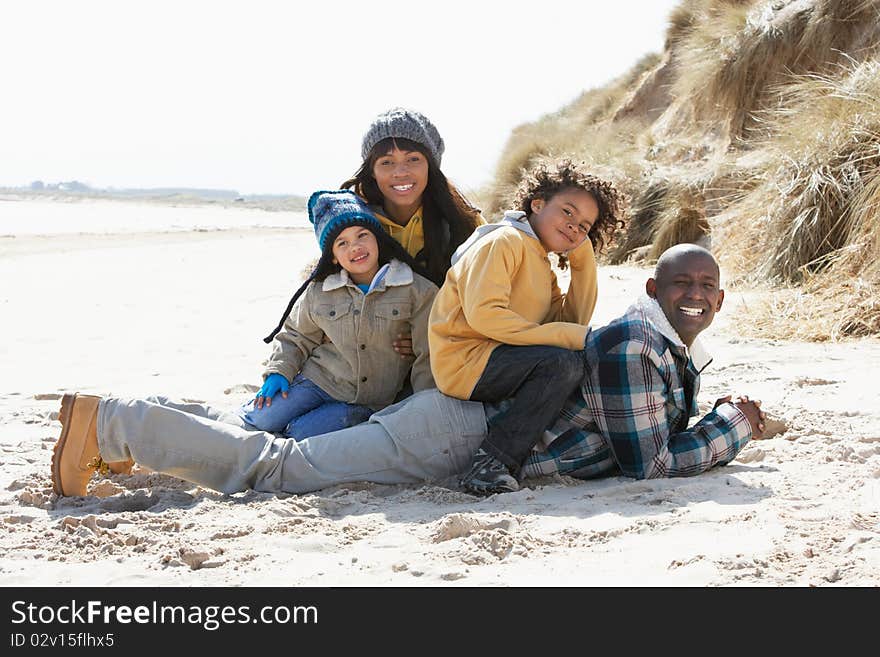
(488, 475)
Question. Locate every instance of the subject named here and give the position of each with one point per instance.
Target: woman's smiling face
(402, 177)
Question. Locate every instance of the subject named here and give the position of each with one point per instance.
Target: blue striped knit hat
(331, 212)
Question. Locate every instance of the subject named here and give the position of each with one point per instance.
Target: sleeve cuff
(582, 256)
(737, 420)
(286, 372)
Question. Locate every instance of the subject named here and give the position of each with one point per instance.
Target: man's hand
(722, 400)
(753, 412)
(403, 345)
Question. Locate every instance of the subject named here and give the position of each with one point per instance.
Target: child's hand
(403, 345)
(273, 384)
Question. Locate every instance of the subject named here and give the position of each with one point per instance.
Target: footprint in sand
(96, 524)
(773, 428)
(752, 455)
(241, 388)
(139, 501)
(195, 559)
(29, 497)
(484, 540)
(18, 484)
(451, 577)
(809, 381)
(106, 488)
(458, 525)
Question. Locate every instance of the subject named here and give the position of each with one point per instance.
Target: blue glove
(273, 384)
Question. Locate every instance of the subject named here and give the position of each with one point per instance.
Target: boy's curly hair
(549, 177)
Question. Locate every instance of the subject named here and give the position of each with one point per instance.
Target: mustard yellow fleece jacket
(502, 290)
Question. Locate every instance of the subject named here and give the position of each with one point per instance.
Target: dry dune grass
(841, 299)
(823, 143)
(611, 151)
(733, 55)
(852, 282)
(579, 130)
(758, 131)
(666, 212)
(681, 221)
(812, 212)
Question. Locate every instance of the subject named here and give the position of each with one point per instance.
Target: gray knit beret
(332, 211)
(406, 124)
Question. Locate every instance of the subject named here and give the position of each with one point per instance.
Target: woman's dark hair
(448, 218)
(388, 248)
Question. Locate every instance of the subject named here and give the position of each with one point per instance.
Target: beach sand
(183, 314)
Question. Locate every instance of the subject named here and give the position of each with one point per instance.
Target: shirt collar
(392, 274)
(654, 313)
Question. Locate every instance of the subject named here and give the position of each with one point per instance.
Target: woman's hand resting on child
(403, 345)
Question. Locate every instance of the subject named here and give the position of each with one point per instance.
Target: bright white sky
(274, 97)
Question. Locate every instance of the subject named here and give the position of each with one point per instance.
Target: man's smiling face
(687, 287)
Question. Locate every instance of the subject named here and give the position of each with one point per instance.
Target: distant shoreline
(12, 245)
(266, 202)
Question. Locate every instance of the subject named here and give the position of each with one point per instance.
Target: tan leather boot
(75, 457)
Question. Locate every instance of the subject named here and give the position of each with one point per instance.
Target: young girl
(333, 362)
(501, 329)
(401, 180)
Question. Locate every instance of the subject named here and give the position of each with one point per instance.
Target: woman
(401, 181)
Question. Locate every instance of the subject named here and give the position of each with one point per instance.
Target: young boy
(501, 329)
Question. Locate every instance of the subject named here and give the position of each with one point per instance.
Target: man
(630, 417)
(641, 385)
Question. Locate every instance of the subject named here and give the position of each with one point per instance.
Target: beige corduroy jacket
(341, 339)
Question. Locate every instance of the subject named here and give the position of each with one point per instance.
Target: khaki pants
(428, 436)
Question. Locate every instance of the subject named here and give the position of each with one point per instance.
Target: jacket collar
(654, 314)
(397, 273)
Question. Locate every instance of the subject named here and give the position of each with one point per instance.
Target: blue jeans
(307, 411)
(538, 380)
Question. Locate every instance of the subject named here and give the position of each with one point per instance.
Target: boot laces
(100, 465)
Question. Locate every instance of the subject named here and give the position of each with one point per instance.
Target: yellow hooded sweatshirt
(501, 290)
(411, 236)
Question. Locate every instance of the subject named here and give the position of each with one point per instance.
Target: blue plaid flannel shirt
(631, 416)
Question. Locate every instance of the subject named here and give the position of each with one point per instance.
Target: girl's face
(402, 177)
(563, 221)
(356, 250)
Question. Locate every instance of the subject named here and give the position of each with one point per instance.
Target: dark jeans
(538, 380)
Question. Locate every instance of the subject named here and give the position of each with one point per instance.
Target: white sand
(183, 314)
